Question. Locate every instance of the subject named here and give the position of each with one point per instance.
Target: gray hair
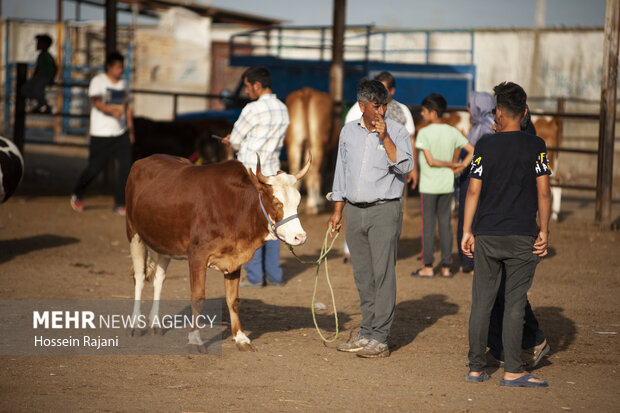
(372, 91)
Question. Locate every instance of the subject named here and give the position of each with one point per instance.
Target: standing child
(440, 145)
(509, 184)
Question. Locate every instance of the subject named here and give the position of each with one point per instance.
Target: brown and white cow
(460, 119)
(548, 128)
(310, 114)
(212, 215)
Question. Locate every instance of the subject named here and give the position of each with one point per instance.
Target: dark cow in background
(186, 138)
(11, 168)
(310, 128)
(216, 215)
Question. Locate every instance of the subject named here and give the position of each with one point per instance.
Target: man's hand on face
(379, 124)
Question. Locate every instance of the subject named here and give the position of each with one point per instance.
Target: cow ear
(254, 180)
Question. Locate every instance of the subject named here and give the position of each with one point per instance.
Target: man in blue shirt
(374, 158)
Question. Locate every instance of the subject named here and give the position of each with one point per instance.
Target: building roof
(218, 15)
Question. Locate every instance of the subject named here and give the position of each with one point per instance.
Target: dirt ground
(42, 241)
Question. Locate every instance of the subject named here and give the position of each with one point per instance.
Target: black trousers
(514, 252)
(532, 334)
(100, 151)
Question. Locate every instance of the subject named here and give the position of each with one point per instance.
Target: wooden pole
(19, 120)
(336, 70)
(110, 26)
(609, 84)
(110, 46)
(59, 58)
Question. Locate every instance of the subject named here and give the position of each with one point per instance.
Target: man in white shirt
(261, 128)
(111, 131)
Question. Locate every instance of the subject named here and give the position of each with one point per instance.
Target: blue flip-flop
(477, 379)
(523, 381)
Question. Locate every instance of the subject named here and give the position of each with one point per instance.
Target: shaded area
(54, 171)
(291, 266)
(559, 330)
(408, 247)
(414, 316)
(260, 318)
(11, 248)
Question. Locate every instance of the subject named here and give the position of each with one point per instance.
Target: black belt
(370, 204)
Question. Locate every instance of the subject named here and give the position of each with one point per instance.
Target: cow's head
(280, 199)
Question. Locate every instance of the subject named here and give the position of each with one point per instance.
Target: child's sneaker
(76, 204)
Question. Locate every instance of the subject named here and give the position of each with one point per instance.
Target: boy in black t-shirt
(509, 185)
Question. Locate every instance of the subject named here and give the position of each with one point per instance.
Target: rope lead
(322, 257)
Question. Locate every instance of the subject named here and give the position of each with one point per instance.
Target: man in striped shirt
(261, 128)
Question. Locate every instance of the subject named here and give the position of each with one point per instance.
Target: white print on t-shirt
(542, 164)
(476, 166)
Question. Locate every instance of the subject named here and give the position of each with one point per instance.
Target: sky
(410, 14)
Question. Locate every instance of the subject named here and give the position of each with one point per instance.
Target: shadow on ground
(414, 316)
(11, 248)
(559, 330)
(260, 318)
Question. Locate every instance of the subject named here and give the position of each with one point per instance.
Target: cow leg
(294, 152)
(158, 282)
(319, 128)
(231, 282)
(556, 201)
(315, 202)
(138, 257)
(197, 275)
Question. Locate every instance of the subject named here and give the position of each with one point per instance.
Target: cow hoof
(134, 332)
(246, 347)
(156, 331)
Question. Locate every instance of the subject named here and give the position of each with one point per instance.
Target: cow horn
(259, 174)
(304, 170)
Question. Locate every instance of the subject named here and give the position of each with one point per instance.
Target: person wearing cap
(43, 75)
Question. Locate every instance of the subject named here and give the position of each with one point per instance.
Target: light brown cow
(548, 128)
(310, 127)
(215, 215)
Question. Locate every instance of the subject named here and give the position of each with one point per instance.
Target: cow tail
(149, 266)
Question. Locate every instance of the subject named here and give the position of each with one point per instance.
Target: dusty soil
(42, 241)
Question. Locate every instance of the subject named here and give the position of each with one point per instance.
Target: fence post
(19, 122)
(607, 124)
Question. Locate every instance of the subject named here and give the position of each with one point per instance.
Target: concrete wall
(174, 56)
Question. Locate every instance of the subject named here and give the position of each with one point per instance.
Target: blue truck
(282, 49)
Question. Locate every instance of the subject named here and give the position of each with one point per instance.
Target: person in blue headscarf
(480, 105)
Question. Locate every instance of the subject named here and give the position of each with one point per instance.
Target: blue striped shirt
(364, 173)
(261, 128)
